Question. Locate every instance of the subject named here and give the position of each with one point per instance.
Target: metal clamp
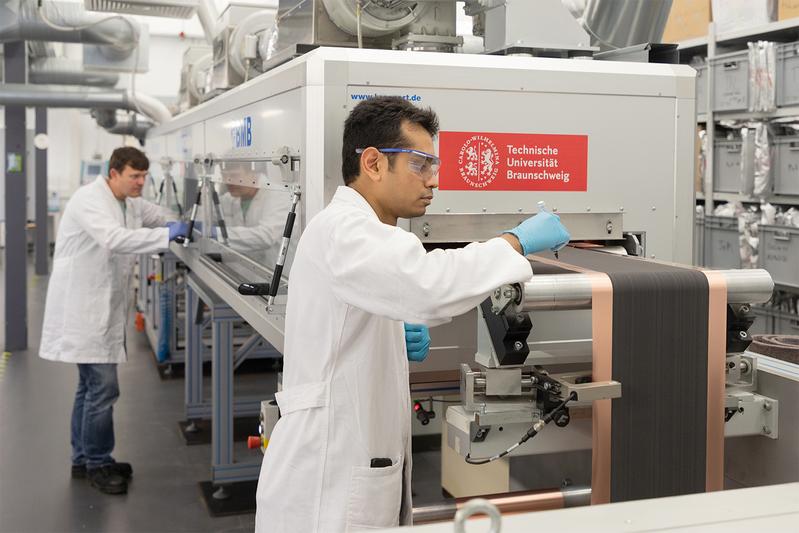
(475, 506)
(283, 158)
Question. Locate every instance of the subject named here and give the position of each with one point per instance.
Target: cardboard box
(688, 19)
(733, 15)
(788, 9)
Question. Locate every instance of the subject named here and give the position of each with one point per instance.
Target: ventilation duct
(82, 97)
(40, 49)
(615, 24)
(63, 71)
(182, 9)
(20, 20)
(208, 15)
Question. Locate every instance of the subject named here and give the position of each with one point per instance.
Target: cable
(532, 432)
(133, 79)
(358, 9)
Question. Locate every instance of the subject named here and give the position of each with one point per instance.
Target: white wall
(162, 80)
(74, 136)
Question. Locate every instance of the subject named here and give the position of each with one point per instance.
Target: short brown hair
(378, 122)
(128, 156)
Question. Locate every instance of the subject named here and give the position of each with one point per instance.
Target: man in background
(105, 224)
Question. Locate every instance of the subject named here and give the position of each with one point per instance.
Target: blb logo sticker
(478, 161)
(241, 133)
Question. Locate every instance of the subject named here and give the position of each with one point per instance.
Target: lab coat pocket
(375, 497)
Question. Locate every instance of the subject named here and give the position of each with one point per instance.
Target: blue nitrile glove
(417, 341)
(541, 232)
(177, 229)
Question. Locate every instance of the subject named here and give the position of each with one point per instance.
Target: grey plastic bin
(731, 81)
(788, 74)
(764, 321)
(786, 177)
(722, 243)
(699, 239)
(786, 324)
(779, 254)
(727, 165)
(701, 90)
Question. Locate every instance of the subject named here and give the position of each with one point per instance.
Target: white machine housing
(639, 120)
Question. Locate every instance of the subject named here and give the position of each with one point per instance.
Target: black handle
(254, 289)
(177, 200)
(276, 280)
(197, 203)
(279, 267)
(289, 224)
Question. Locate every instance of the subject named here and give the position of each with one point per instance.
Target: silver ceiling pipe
(614, 24)
(21, 20)
(82, 97)
(133, 126)
(64, 71)
(122, 123)
(208, 15)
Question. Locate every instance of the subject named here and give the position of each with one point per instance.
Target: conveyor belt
(657, 346)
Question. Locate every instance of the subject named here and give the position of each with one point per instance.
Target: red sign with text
(472, 161)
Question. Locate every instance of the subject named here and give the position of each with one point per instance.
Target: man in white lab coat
(338, 456)
(105, 224)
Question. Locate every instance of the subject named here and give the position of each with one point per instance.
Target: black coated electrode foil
(660, 349)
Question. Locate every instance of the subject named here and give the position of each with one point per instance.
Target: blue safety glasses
(420, 163)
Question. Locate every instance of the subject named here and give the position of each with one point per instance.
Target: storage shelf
(780, 112)
(736, 197)
(783, 29)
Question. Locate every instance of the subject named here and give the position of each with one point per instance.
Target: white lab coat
(345, 397)
(87, 296)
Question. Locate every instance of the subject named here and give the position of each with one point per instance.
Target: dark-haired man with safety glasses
(362, 293)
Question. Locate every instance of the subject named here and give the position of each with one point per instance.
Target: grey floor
(36, 491)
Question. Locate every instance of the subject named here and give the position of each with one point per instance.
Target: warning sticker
(472, 161)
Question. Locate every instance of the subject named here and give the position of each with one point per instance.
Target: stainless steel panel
(476, 227)
(753, 461)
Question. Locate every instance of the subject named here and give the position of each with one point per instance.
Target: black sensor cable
(532, 432)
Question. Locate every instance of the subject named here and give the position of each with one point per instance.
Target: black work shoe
(107, 480)
(122, 469)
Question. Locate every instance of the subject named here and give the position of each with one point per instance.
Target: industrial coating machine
(640, 363)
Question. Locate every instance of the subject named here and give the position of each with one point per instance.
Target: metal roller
(509, 503)
(573, 291)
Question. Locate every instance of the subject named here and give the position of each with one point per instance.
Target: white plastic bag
(762, 72)
(762, 161)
